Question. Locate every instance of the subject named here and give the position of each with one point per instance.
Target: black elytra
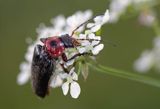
(42, 69)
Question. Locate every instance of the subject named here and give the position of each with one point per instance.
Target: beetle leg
(64, 57)
(65, 69)
(78, 54)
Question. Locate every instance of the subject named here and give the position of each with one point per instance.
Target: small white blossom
(57, 79)
(92, 46)
(24, 74)
(149, 58)
(117, 8)
(98, 22)
(145, 62)
(71, 84)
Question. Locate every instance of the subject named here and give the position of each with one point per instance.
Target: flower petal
(72, 70)
(75, 89)
(81, 50)
(23, 78)
(70, 62)
(97, 49)
(65, 88)
(56, 81)
(89, 25)
(91, 36)
(95, 43)
(63, 75)
(145, 62)
(82, 36)
(74, 76)
(85, 43)
(106, 17)
(96, 28)
(98, 19)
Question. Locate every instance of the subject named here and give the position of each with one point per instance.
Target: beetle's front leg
(65, 69)
(64, 57)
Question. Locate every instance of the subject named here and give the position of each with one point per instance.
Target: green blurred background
(19, 20)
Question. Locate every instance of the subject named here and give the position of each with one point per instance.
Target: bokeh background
(19, 20)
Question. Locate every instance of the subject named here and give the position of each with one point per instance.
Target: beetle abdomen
(42, 69)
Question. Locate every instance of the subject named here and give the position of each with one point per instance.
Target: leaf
(85, 71)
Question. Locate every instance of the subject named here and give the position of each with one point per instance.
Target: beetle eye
(53, 43)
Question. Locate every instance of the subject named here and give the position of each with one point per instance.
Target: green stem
(127, 75)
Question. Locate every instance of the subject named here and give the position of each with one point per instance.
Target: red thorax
(54, 46)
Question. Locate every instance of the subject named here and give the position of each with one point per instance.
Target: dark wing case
(42, 69)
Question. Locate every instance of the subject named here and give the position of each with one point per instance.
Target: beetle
(45, 57)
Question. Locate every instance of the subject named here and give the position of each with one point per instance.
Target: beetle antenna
(83, 24)
(106, 41)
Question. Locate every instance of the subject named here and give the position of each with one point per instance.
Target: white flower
(117, 8)
(98, 22)
(57, 80)
(145, 62)
(150, 58)
(92, 46)
(71, 84)
(24, 74)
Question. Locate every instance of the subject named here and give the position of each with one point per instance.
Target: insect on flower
(45, 57)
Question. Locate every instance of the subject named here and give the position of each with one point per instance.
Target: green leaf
(127, 75)
(85, 71)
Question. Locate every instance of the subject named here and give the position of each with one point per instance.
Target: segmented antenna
(83, 24)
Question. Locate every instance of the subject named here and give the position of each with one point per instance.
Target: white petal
(145, 62)
(96, 28)
(74, 76)
(91, 36)
(82, 36)
(70, 62)
(97, 49)
(65, 88)
(87, 32)
(59, 21)
(23, 78)
(106, 17)
(89, 25)
(98, 19)
(98, 38)
(85, 43)
(72, 70)
(75, 90)
(82, 49)
(56, 81)
(95, 43)
(63, 75)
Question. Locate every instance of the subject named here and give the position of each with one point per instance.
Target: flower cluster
(89, 40)
(119, 7)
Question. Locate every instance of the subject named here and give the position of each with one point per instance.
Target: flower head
(90, 43)
(149, 58)
(71, 83)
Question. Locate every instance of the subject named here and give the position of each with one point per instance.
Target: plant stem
(127, 75)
